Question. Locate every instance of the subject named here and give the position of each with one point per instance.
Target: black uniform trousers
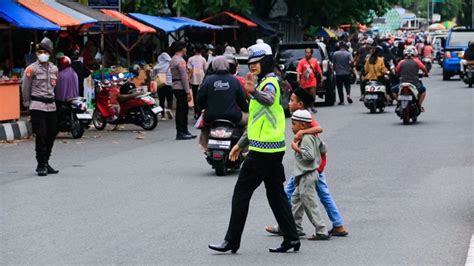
(44, 127)
(258, 167)
(182, 110)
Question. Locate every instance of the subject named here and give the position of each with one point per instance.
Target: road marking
(470, 253)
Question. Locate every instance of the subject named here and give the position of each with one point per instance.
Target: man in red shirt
(306, 69)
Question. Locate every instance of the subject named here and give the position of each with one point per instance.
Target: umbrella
(436, 26)
(449, 24)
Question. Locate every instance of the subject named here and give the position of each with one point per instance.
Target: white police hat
(256, 52)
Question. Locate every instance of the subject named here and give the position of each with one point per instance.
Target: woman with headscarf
(165, 93)
(266, 140)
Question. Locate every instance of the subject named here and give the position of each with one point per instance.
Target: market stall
(15, 17)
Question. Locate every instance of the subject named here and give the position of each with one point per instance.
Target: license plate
(220, 143)
(157, 109)
(84, 116)
(371, 97)
(405, 97)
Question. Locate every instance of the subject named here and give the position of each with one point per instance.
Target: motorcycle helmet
(232, 63)
(410, 51)
(135, 70)
(63, 62)
(379, 49)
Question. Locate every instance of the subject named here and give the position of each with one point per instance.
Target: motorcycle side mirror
(121, 75)
(114, 78)
(281, 67)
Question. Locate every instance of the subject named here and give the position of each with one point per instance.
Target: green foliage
(190, 8)
(334, 13)
(448, 10)
(204, 8)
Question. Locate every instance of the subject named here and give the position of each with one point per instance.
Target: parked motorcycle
(428, 62)
(375, 96)
(74, 117)
(468, 73)
(223, 136)
(137, 108)
(407, 106)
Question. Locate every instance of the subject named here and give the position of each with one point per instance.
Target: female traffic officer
(266, 140)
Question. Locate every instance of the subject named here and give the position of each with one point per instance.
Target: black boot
(286, 245)
(224, 247)
(51, 170)
(42, 170)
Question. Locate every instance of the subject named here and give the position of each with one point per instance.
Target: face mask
(43, 58)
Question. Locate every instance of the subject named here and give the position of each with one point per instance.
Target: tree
(190, 8)
(448, 9)
(335, 13)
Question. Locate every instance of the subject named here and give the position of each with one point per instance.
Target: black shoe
(285, 246)
(51, 170)
(183, 136)
(189, 133)
(319, 237)
(349, 99)
(42, 170)
(340, 103)
(224, 247)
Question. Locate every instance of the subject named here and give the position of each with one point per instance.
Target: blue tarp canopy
(21, 17)
(169, 25)
(197, 24)
(163, 24)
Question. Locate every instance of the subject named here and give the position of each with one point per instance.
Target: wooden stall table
(9, 100)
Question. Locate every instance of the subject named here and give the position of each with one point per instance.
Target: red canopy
(234, 16)
(128, 22)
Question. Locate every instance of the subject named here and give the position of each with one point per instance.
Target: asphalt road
(406, 194)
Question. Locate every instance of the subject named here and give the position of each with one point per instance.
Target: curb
(15, 130)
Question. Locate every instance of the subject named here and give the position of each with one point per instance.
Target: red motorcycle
(134, 107)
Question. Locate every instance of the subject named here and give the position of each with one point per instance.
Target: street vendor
(38, 94)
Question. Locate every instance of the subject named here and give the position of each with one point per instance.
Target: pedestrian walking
(38, 94)
(162, 71)
(181, 90)
(197, 68)
(307, 161)
(266, 141)
(342, 61)
(302, 100)
(307, 71)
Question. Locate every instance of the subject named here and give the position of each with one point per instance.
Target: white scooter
(375, 96)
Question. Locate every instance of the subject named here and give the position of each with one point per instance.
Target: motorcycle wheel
(373, 108)
(470, 83)
(414, 119)
(98, 120)
(382, 110)
(77, 129)
(149, 120)
(221, 168)
(406, 117)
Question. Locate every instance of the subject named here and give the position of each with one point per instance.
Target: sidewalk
(15, 130)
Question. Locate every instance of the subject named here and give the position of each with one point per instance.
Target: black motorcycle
(468, 73)
(73, 117)
(222, 137)
(407, 106)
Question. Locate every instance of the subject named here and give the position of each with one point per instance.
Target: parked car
(456, 44)
(288, 55)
